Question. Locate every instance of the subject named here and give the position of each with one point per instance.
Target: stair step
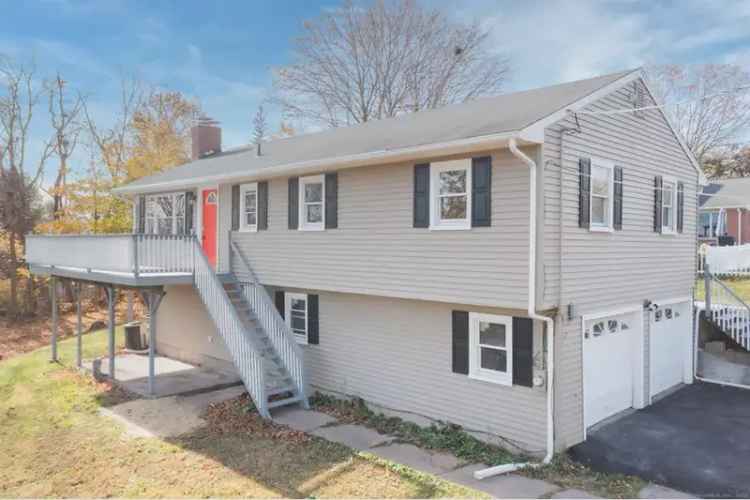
(284, 402)
(280, 390)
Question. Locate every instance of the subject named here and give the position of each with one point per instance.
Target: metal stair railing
(727, 310)
(249, 363)
(278, 331)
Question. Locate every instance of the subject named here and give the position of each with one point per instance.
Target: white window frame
(435, 170)
(288, 297)
(303, 224)
(151, 198)
(671, 229)
(475, 367)
(248, 188)
(608, 227)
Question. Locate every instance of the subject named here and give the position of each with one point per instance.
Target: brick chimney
(206, 137)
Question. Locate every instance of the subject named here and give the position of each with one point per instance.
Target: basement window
(491, 348)
(296, 315)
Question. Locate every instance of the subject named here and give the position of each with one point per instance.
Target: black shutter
(658, 203)
(422, 195)
(481, 192)
(680, 206)
(141, 210)
(332, 200)
(617, 216)
(189, 211)
(262, 205)
(280, 302)
(235, 207)
(461, 342)
(584, 193)
(293, 212)
(313, 330)
(523, 352)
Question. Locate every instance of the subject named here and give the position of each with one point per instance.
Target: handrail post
(707, 285)
(135, 255)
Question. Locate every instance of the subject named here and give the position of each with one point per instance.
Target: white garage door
(609, 364)
(670, 342)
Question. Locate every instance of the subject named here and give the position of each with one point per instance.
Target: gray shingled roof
(492, 115)
(727, 193)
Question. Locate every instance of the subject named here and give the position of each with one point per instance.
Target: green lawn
(740, 286)
(54, 443)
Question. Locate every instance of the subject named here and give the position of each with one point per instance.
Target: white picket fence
(730, 261)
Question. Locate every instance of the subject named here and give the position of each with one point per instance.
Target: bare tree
(360, 63)
(709, 104)
(260, 125)
(65, 117)
(19, 181)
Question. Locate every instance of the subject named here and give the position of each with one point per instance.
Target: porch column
(79, 324)
(53, 299)
(152, 298)
(111, 298)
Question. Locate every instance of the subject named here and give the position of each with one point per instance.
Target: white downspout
(505, 468)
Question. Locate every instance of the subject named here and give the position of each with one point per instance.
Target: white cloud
(558, 40)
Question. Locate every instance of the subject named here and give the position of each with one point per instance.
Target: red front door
(209, 224)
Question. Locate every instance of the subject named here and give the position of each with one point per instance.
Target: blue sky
(222, 52)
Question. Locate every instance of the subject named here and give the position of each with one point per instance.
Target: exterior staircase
(262, 347)
(727, 311)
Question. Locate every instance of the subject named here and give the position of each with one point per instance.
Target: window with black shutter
(481, 192)
(422, 195)
(584, 192)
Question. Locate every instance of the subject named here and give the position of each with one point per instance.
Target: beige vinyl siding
(376, 251)
(185, 331)
(396, 354)
(601, 271)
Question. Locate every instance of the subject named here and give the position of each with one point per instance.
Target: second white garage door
(670, 345)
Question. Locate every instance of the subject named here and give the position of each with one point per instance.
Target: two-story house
(520, 265)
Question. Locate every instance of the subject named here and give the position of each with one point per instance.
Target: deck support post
(111, 300)
(79, 325)
(53, 300)
(152, 298)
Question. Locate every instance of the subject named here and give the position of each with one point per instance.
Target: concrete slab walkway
(442, 465)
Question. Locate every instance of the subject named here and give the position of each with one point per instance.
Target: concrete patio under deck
(172, 377)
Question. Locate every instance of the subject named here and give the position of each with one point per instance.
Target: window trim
(475, 369)
(174, 195)
(303, 224)
(244, 226)
(669, 230)
(436, 223)
(609, 226)
(288, 297)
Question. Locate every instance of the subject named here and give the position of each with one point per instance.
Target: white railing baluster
(728, 311)
(274, 325)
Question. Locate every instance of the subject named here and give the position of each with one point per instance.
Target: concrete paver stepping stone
(573, 493)
(417, 458)
(354, 436)
(656, 491)
(502, 486)
(300, 419)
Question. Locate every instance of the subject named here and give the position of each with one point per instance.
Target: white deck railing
(123, 253)
(727, 310)
(274, 325)
(248, 362)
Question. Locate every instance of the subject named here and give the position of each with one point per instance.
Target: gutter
(532, 313)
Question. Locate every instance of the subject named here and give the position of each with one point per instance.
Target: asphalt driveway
(695, 440)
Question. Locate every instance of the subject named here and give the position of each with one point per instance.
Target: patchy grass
(444, 437)
(740, 286)
(56, 444)
(567, 473)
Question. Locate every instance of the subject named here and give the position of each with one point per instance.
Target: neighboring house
(433, 263)
(724, 211)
